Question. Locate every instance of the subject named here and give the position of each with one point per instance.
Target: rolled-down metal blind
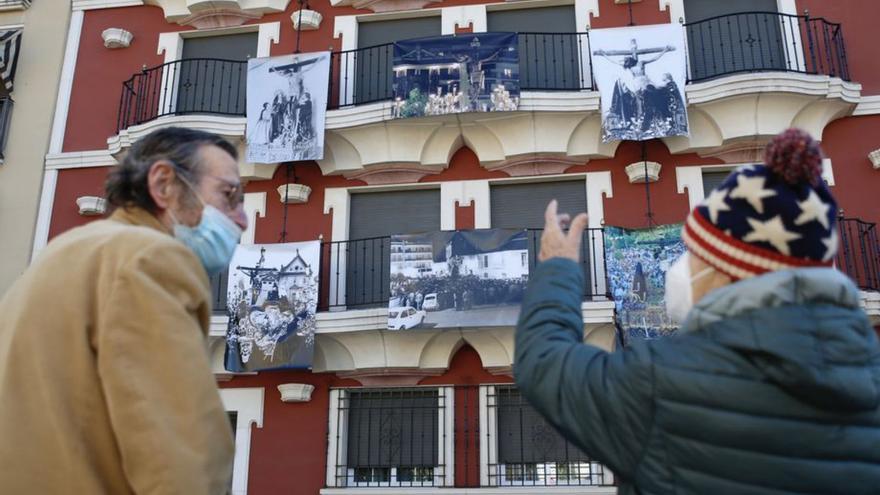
(374, 217)
(521, 206)
(396, 428)
(524, 436)
(711, 180)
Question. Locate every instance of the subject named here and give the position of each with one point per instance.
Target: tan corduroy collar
(139, 216)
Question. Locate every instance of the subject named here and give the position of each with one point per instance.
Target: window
(390, 437)
(368, 252)
(374, 60)
(712, 178)
(525, 450)
(726, 37)
(521, 205)
(212, 74)
(550, 59)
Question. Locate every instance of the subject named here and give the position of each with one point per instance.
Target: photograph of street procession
(457, 279)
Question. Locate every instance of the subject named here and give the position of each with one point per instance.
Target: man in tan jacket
(105, 383)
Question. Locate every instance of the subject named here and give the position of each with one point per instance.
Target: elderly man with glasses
(105, 381)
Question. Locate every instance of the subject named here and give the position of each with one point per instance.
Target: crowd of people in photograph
(461, 293)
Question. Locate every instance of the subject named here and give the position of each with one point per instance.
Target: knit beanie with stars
(773, 216)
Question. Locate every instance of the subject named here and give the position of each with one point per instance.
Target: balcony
(796, 63)
(14, 5)
(719, 46)
(354, 274)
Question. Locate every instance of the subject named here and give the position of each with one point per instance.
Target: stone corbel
(90, 206)
(636, 172)
(306, 20)
(116, 38)
(296, 392)
(874, 156)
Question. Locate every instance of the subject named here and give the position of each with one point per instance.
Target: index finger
(551, 219)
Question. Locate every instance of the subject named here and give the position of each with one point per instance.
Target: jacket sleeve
(600, 401)
(171, 429)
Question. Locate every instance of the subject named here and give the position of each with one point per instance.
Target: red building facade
(295, 429)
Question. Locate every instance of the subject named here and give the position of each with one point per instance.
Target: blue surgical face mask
(213, 239)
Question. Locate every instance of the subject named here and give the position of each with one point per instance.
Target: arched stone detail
(484, 143)
(438, 351)
(440, 147)
(339, 155)
(330, 354)
(585, 140)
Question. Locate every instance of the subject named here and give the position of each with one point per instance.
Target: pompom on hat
(766, 217)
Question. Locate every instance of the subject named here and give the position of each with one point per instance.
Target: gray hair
(127, 185)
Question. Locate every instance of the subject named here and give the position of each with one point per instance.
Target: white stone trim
(870, 302)
(675, 8)
(268, 34)
(254, 207)
(786, 7)
(446, 446)
(335, 418)
(62, 102)
(463, 16)
(44, 216)
(248, 403)
(869, 105)
(81, 5)
(79, 159)
(598, 184)
(691, 178)
(465, 193)
(582, 11)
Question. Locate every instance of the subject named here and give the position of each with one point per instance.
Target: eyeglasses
(233, 192)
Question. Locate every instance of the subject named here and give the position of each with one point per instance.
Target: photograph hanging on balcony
(286, 107)
(456, 74)
(472, 278)
(640, 73)
(636, 261)
(272, 298)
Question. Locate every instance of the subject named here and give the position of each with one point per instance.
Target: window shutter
(524, 437)
(375, 217)
(393, 428)
(712, 180)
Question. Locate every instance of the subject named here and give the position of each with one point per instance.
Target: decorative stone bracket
(307, 21)
(296, 392)
(874, 156)
(116, 38)
(636, 172)
(294, 193)
(90, 206)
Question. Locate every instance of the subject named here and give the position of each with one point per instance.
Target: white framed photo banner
(287, 107)
(641, 72)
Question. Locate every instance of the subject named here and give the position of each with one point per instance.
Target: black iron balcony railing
(719, 46)
(354, 274)
(6, 104)
(765, 41)
(197, 85)
(859, 252)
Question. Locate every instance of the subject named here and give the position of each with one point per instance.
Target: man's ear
(162, 184)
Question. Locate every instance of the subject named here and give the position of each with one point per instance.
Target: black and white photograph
(473, 278)
(640, 73)
(272, 298)
(286, 107)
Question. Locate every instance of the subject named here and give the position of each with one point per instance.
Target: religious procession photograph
(457, 279)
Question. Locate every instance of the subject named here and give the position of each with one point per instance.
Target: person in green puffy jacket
(772, 384)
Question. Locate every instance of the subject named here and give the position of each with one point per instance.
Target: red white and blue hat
(766, 217)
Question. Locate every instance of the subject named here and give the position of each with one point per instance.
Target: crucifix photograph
(640, 73)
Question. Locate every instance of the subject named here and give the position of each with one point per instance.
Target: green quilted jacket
(771, 388)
